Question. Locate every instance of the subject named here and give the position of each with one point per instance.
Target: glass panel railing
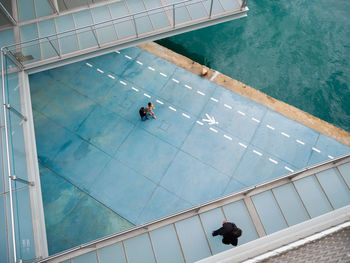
(49, 47)
(87, 37)
(142, 24)
(15, 190)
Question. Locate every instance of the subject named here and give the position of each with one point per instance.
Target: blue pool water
(103, 170)
(295, 51)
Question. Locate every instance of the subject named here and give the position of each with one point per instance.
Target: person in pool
(149, 110)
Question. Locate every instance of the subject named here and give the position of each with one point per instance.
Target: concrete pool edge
(240, 88)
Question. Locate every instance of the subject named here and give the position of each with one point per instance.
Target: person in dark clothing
(143, 114)
(230, 233)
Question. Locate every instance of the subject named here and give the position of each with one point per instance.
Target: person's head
(223, 222)
(150, 104)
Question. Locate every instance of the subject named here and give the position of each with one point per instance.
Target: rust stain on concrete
(240, 88)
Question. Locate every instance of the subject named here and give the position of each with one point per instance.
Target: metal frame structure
(8, 15)
(138, 38)
(54, 6)
(11, 51)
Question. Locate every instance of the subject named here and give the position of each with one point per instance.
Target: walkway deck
(116, 24)
(179, 160)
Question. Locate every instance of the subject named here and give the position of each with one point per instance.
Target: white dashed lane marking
(213, 99)
(302, 143)
(315, 149)
(227, 137)
(243, 145)
(117, 52)
(285, 134)
(256, 152)
(186, 116)
(287, 168)
(270, 127)
(273, 161)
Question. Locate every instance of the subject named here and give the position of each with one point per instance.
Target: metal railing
(13, 120)
(93, 245)
(170, 11)
(19, 56)
(8, 161)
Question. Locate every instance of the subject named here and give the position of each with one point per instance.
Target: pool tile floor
(205, 142)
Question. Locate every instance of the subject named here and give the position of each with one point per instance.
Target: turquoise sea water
(295, 51)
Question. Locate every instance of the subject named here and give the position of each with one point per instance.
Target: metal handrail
(8, 15)
(109, 21)
(197, 209)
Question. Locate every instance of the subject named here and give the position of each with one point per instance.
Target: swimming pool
(103, 170)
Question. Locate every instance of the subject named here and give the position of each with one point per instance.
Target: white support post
(33, 175)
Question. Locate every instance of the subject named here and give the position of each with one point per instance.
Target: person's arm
(219, 231)
(152, 113)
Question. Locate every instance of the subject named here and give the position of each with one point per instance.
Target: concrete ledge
(240, 88)
(281, 238)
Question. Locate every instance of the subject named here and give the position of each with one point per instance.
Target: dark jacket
(227, 231)
(142, 112)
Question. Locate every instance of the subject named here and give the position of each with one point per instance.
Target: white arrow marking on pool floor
(210, 120)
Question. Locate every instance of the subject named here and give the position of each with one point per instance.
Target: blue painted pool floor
(102, 166)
